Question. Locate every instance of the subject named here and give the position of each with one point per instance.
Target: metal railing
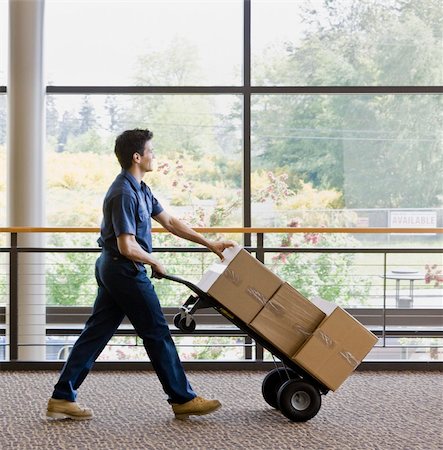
(389, 323)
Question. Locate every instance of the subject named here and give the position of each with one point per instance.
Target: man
(125, 289)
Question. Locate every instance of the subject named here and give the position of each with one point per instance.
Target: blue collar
(134, 183)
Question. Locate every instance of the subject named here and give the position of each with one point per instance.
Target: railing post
(248, 348)
(384, 297)
(261, 257)
(260, 247)
(13, 299)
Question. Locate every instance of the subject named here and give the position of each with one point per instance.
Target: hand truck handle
(176, 279)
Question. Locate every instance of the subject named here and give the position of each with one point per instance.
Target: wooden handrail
(239, 230)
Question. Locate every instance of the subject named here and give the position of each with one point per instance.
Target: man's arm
(130, 248)
(180, 229)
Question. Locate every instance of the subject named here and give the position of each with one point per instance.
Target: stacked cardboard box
(287, 319)
(336, 347)
(319, 336)
(241, 283)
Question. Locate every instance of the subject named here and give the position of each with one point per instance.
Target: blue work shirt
(127, 209)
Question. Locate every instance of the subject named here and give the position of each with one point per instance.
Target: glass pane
(348, 160)
(210, 348)
(414, 280)
(2, 160)
(166, 43)
(346, 43)
(190, 348)
(188, 266)
(356, 280)
(69, 278)
(198, 149)
(3, 42)
(350, 280)
(408, 348)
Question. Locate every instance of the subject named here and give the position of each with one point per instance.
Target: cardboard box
(241, 283)
(336, 347)
(287, 320)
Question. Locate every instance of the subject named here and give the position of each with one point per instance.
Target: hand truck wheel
(188, 327)
(272, 383)
(177, 318)
(298, 400)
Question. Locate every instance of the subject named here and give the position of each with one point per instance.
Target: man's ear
(136, 157)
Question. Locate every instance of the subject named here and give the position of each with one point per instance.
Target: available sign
(413, 219)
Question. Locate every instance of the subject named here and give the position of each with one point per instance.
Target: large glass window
(126, 42)
(197, 148)
(347, 160)
(346, 43)
(321, 158)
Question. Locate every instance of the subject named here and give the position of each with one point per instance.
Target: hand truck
(289, 388)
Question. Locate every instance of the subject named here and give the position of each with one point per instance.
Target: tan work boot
(64, 409)
(198, 406)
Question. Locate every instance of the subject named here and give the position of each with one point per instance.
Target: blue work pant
(125, 289)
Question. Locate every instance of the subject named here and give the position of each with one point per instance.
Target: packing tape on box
(233, 277)
(257, 295)
(300, 313)
(330, 343)
(281, 311)
(349, 357)
(236, 280)
(327, 340)
(301, 329)
(298, 310)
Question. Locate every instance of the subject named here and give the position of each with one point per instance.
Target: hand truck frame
(290, 388)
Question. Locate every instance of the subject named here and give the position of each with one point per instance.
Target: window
(197, 148)
(346, 43)
(345, 160)
(345, 128)
(165, 43)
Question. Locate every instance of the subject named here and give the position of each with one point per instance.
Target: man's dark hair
(130, 142)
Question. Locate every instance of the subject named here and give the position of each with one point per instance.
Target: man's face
(147, 160)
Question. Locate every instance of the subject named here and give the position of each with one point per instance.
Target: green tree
(350, 142)
(88, 142)
(87, 116)
(115, 113)
(330, 276)
(52, 117)
(403, 167)
(65, 128)
(175, 65)
(70, 277)
(183, 124)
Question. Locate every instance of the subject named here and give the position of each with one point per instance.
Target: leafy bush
(70, 279)
(330, 276)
